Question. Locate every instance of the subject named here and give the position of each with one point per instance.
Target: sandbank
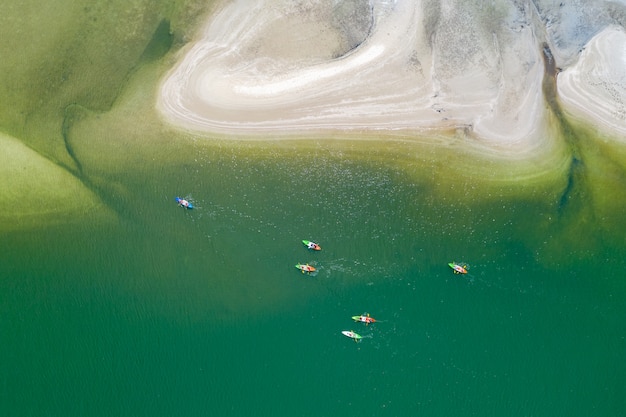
(273, 69)
(594, 88)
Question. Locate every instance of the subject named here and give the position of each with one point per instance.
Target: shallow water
(158, 311)
(202, 312)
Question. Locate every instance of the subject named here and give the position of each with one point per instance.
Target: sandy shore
(278, 67)
(595, 87)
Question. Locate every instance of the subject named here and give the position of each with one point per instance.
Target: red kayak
(364, 318)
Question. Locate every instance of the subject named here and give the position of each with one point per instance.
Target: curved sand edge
(594, 88)
(246, 76)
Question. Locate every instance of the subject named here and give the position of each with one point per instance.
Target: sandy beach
(595, 87)
(292, 67)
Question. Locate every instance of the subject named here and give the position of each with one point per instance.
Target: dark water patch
(574, 172)
(68, 119)
(160, 43)
(549, 81)
(73, 114)
(576, 185)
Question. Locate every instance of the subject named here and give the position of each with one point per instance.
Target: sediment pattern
(285, 66)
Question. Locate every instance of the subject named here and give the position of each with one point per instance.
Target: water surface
(202, 312)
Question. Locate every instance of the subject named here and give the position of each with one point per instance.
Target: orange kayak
(458, 269)
(311, 245)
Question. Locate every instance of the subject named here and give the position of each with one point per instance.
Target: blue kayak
(183, 203)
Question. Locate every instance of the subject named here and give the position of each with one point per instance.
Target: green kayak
(354, 336)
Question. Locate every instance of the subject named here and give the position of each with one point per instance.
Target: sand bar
(274, 68)
(595, 87)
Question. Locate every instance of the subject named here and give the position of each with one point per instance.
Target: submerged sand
(297, 66)
(37, 192)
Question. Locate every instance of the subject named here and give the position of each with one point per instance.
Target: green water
(132, 306)
(174, 312)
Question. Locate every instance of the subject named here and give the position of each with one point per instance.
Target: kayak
(311, 245)
(354, 336)
(305, 268)
(365, 318)
(458, 269)
(183, 203)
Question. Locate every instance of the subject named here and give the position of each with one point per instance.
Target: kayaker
(311, 245)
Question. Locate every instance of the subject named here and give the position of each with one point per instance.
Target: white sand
(268, 69)
(595, 87)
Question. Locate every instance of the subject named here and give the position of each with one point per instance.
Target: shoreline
(237, 80)
(594, 88)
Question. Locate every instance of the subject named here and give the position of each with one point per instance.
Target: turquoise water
(174, 312)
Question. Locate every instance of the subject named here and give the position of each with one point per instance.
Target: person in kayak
(305, 268)
(311, 245)
(364, 318)
(458, 268)
(183, 203)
